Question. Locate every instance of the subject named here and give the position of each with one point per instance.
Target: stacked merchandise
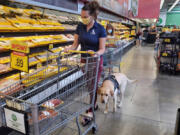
(13, 23)
(168, 53)
(122, 33)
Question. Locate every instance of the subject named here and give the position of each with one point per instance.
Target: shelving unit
(168, 53)
(45, 36)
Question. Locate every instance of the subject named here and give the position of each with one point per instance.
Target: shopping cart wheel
(94, 130)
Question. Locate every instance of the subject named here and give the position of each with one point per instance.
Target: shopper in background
(138, 37)
(110, 31)
(92, 37)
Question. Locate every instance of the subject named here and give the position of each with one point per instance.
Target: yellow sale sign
(19, 61)
(19, 46)
(167, 40)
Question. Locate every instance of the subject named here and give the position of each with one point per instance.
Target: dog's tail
(131, 81)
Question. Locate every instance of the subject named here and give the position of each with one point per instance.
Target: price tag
(167, 40)
(39, 65)
(19, 46)
(54, 61)
(51, 46)
(134, 27)
(19, 61)
(164, 54)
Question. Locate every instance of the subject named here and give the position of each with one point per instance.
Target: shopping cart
(31, 110)
(112, 60)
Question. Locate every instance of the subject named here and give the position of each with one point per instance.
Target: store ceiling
(167, 4)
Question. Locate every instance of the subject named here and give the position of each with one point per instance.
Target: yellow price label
(19, 46)
(39, 65)
(54, 61)
(19, 61)
(134, 27)
(164, 54)
(167, 40)
(51, 46)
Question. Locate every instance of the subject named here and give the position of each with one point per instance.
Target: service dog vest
(112, 78)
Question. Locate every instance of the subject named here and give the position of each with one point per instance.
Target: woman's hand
(91, 52)
(66, 49)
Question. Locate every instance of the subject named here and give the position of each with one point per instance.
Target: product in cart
(45, 114)
(53, 103)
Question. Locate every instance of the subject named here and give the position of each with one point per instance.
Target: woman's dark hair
(109, 26)
(93, 8)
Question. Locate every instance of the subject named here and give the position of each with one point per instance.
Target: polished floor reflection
(150, 105)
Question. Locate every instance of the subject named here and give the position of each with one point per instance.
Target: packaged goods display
(36, 72)
(122, 35)
(52, 104)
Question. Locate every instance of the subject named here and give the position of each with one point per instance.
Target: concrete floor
(150, 105)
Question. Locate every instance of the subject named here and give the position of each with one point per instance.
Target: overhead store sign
(68, 4)
(162, 19)
(133, 7)
(118, 6)
(148, 9)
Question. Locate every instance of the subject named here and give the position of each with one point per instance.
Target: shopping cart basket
(112, 60)
(55, 101)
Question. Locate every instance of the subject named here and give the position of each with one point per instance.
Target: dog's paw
(119, 105)
(106, 112)
(114, 109)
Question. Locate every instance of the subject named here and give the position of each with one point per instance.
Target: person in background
(138, 37)
(92, 37)
(110, 31)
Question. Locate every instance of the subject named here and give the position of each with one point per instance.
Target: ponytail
(93, 8)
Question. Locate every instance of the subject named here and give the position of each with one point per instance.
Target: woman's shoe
(96, 107)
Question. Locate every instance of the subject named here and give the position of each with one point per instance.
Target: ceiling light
(174, 4)
(162, 2)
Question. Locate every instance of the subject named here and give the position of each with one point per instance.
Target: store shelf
(45, 6)
(16, 34)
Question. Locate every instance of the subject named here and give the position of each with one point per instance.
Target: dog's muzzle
(103, 102)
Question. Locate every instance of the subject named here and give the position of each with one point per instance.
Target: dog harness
(112, 78)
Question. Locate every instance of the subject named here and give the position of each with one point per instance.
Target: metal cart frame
(75, 86)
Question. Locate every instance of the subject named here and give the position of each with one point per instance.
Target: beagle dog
(112, 86)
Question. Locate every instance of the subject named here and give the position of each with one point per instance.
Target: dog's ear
(112, 92)
(99, 91)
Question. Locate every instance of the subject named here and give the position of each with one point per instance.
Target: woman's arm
(102, 44)
(75, 44)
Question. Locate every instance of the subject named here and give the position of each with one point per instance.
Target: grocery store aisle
(150, 105)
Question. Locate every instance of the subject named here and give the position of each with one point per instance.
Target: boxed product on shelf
(5, 43)
(4, 60)
(26, 19)
(21, 25)
(5, 26)
(4, 68)
(32, 12)
(49, 22)
(10, 84)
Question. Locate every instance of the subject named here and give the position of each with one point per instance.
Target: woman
(91, 35)
(110, 31)
(138, 37)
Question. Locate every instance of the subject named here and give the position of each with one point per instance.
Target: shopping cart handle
(82, 52)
